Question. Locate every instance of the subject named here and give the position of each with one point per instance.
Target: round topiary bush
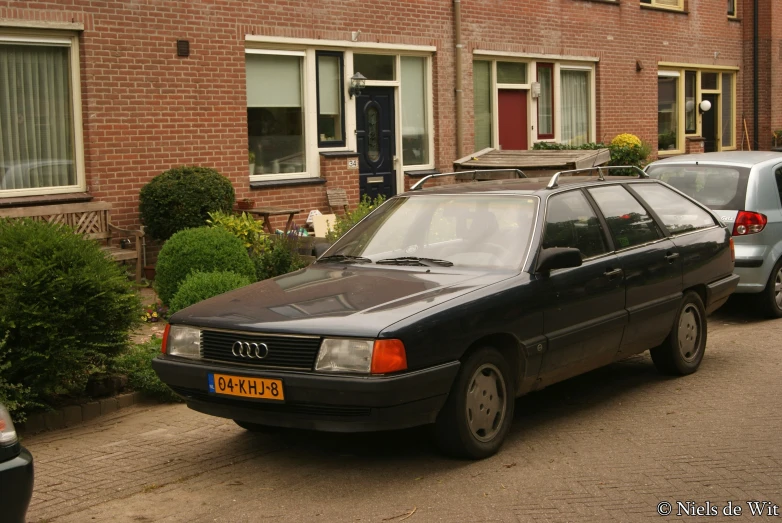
(199, 286)
(182, 198)
(204, 249)
(65, 309)
(626, 140)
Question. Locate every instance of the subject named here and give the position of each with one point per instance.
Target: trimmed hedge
(199, 286)
(205, 249)
(65, 309)
(182, 198)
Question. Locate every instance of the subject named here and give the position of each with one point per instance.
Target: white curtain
(415, 135)
(36, 123)
(482, 121)
(575, 107)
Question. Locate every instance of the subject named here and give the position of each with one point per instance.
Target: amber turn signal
(163, 347)
(388, 356)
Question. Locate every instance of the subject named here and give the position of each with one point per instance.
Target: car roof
(737, 158)
(525, 186)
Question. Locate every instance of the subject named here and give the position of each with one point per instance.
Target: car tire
(478, 413)
(770, 300)
(682, 351)
(257, 427)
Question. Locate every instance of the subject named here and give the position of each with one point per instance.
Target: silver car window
(717, 187)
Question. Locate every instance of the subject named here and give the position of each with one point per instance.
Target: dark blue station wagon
(446, 303)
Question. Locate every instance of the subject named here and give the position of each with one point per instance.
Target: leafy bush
(244, 227)
(136, 364)
(624, 152)
(199, 286)
(182, 198)
(346, 222)
(204, 249)
(279, 257)
(65, 309)
(16, 397)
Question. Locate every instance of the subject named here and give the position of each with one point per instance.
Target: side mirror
(558, 258)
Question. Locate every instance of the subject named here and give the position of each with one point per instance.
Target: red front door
(512, 119)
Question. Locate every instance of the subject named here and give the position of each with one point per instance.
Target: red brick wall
(145, 110)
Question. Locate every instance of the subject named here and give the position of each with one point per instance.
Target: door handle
(671, 256)
(611, 274)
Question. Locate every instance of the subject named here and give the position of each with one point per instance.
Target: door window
(629, 222)
(373, 134)
(571, 222)
(677, 213)
(778, 176)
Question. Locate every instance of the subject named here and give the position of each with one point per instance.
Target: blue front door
(376, 142)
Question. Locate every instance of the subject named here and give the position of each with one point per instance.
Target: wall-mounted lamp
(357, 83)
(704, 106)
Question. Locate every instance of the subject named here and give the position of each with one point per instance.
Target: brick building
(97, 97)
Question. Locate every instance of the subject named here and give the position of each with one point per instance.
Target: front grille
(284, 351)
(308, 409)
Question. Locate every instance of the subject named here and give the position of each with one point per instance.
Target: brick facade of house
(145, 110)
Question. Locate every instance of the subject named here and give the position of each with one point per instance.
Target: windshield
(717, 187)
(469, 230)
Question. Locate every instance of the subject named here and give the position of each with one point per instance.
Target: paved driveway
(607, 446)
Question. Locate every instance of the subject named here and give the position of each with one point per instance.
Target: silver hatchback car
(744, 188)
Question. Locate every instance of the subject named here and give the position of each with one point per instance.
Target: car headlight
(7, 431)
(182, 341)
(361, 356)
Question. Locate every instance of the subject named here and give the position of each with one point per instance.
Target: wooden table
(265, 212)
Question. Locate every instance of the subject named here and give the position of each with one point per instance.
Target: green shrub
(199, 286)
(136, 364)
(280, 257)
(346, 222)
(244, 227)
(65, 309)
(182, 198)
(17, 398)
(204, 249)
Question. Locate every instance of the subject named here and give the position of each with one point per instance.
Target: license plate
(259, 388)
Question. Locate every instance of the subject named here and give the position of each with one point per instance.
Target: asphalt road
(607, 446)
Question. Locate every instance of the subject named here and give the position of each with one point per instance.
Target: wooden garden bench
(93, 220)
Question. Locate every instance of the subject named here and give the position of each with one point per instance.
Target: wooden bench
(93, 220)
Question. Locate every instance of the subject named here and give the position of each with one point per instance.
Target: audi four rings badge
(242, 349)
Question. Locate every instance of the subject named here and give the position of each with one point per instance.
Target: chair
(337, 197)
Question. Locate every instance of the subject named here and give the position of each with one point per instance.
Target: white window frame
(308, 47)
(71, 41)
(656, 5)
(560, 62)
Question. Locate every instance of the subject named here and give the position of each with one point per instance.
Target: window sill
(671, 10)
(613, 2)
(339, 154)
(49, 199)
(420, 173)
(274, 184)
(734, 19)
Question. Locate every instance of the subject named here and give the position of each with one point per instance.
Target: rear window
(717, 187)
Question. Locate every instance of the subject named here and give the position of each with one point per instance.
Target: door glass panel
(690, 109)
(727, 110)
(571, 222)
(373, 134)
(375, 66)
(629, 222)
(415, 134)
(710, 81)
(667, 113)
(677, 213)
(511, 73)
(481, 99)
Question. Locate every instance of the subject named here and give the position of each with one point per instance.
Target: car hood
(330, 299)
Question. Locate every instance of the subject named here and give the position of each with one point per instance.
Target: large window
(546, 101)
(331, 122)
(40, 122)
(415, 128)
(575, 107)
(666, 4)
(732, 8)
(482, 103)
(275, 112)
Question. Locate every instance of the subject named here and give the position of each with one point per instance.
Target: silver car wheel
(486, 403)
(690, 326)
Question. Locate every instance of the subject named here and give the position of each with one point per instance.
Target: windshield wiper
(414, 260)
(345, 258)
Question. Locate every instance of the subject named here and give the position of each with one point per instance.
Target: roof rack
(554, 179)
(518, 174)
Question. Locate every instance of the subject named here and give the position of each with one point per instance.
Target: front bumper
(317, 401)
(16, 487)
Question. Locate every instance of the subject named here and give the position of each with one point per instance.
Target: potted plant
(251, 156)
(245, 203)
